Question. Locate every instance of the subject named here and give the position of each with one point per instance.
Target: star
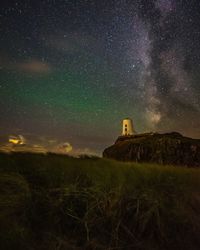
(79, 67)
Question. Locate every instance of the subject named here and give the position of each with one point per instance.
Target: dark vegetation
(57, 202)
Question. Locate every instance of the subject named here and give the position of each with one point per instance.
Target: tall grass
(57, 202)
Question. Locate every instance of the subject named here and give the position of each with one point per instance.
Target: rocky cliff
(171, 148)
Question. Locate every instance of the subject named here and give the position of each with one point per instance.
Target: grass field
(55, 202)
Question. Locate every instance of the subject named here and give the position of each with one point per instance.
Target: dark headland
(169, 149)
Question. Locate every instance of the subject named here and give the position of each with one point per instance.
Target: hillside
(57, 202)
(170, 148)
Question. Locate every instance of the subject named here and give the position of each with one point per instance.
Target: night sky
(70, 70)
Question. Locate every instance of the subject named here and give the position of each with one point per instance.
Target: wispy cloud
(43, 144)
(84, 151)
(34, 66)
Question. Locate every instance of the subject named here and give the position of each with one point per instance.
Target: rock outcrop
(170, 148)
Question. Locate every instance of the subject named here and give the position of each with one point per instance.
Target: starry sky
(71, 70)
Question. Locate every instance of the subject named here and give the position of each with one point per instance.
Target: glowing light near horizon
(17, 140)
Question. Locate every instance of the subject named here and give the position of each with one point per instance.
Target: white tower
(127, 127)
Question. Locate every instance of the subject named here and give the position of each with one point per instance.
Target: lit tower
(127, 127)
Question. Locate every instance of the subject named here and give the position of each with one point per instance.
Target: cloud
(34, 66)
(84, 151)
(62, 148)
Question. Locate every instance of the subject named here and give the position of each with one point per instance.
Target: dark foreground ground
(54, 202)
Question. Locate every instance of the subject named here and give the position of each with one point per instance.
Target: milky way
(70, 71)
